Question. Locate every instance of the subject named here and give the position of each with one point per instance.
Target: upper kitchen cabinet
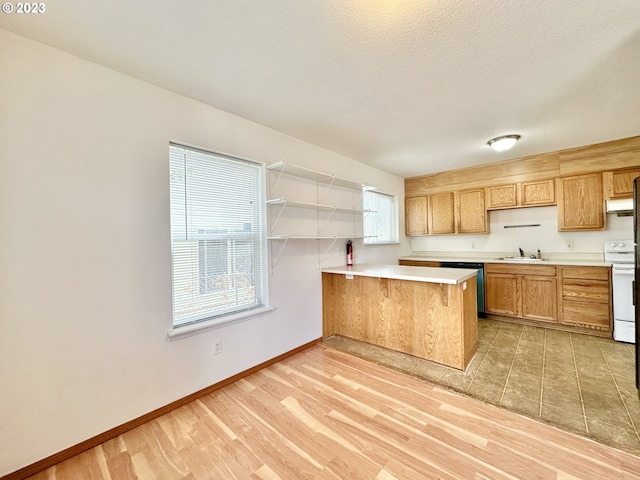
(523, 194)
(502, 196)
(619, 183)
(446, 213)
(581, 203)
(441, 214)
(542, 192)
(471, 214)
(415, 212)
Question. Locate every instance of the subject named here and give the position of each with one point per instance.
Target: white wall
(545, 237)
(85, 292)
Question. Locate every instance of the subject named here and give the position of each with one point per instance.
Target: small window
(380, 223)
(217, 235)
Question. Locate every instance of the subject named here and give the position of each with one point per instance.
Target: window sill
(185, 330)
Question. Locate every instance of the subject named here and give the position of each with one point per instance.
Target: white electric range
(620, 253)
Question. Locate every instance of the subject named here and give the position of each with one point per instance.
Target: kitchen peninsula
(427, 312)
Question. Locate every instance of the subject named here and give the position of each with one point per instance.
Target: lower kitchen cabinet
(586, 297)
(572, 295)
(501, 292)
(539, 297)
(526, 291)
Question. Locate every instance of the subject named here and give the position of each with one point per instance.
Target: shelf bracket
(284, 204)
(277, 256)
(280, 172)
(328, 219)
(327, 251)
(329, 185)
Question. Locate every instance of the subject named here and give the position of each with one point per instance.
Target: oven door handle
(623, 271)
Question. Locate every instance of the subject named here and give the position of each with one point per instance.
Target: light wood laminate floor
(578, 382)
(327, 414)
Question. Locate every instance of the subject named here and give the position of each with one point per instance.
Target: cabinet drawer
(588, 273)
(586, 313)
(419, 263)
(585, 290)
(519, 269)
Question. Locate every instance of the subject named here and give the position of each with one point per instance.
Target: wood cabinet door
(585, 314)
(441, 214)
(538, 193)
(619, 184)
(471, 214)
(539, 298)
(581, 203)
(415, 216)
(502, 196)
(501, 294)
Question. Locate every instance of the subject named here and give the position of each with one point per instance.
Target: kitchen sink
(521, 259)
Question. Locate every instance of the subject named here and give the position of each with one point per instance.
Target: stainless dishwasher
(479, 280)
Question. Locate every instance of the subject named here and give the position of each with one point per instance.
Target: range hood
(622, 207)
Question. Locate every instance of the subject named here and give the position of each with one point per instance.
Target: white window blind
(217, 235)
(380, 225)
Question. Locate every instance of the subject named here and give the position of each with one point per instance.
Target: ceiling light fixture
(500, 144)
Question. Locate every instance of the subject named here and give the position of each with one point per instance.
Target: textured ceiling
(412, 87)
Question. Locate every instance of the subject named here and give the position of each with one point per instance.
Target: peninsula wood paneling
(428, 320)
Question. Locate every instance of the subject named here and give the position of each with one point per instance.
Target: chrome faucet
(521, 252)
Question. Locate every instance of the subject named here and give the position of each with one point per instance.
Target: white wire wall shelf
(328, 182)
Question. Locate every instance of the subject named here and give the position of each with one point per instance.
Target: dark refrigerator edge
(636, 237)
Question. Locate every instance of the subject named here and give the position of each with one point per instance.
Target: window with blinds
(217, 235)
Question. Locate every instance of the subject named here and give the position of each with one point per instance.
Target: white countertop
(450, 276)
(480, 259)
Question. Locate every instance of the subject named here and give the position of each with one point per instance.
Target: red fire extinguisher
(349, 254)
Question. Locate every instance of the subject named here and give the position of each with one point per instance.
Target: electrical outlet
(473, 245)
(217, 347)
(570, 245)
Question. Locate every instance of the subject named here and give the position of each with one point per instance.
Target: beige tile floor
(580, 383)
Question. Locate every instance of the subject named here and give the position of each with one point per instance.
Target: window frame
(370, 238)
(220, 316)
